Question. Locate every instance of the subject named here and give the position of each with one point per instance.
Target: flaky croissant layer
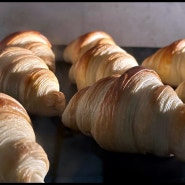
(134, 112)
(95, 55)
(22, 158)
(32, 40)
(27, 78)
(100, 61)
(169, 63)
(77, 47)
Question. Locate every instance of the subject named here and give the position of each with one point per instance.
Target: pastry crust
(27, 78)
(76, 48)
(133, 112)
(169, 62)
(22, 158)
(100, 61)
(24, 37)
(95, 55)
(34, 41)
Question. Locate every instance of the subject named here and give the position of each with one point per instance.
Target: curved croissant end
(30, 163)
(169, 63)
(54, 104)
(22, 158)
(27, 78)
(41, 95)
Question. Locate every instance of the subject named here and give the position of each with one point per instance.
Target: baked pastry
(100, 61)
(34, 41)
(77, 47)
(134, 113)
(169, 62)
(23, 159)
(27, 78)
(95, 55)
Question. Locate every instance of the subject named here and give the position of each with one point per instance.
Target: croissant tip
(57, 102)
(36, 178)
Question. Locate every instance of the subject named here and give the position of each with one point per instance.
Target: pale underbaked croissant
(77, 47)
(98, 62)
(22, 158)
(169, 62)
(27, 78)
(34, 41)
(134, 112)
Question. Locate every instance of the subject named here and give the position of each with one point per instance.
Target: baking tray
(76, 158)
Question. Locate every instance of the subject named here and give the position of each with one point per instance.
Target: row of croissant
(124, 106)
(28, 85)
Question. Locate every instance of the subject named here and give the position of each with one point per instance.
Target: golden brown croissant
(22, 158)
(34, 41)
(169, 63)
(76, 48)
(27, 78)
(98, 62)
(134, 112)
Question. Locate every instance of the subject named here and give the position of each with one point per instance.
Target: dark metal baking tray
(76, 158)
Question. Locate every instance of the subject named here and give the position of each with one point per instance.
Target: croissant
(34, 41)
(169, 62)
(134, 112)
(22, 158)
(98, 62)
(27, 78)
(77, 47)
